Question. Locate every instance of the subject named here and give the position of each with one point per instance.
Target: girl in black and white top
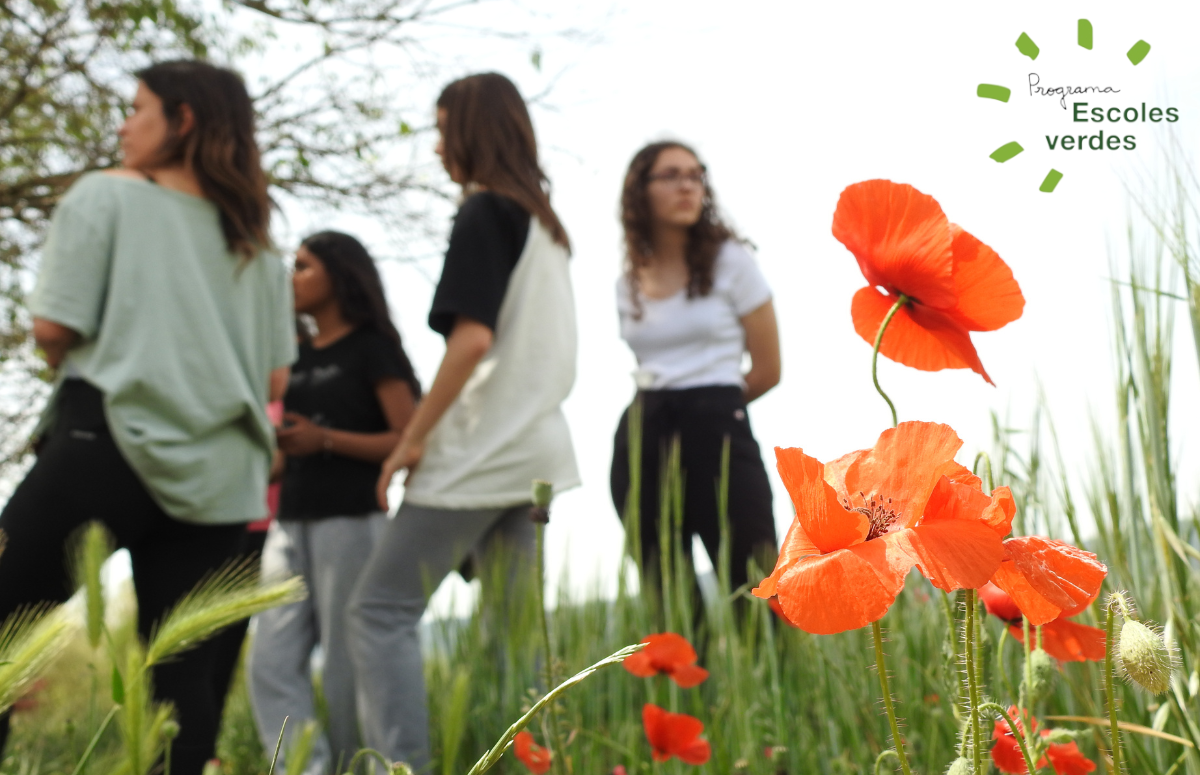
(692, 302)
(492, 420)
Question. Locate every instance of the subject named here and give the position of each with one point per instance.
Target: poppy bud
(1061, 736)
(959, 766)
(543, 492)
(400, 768)
(1042, 671)
(170, 729)
(1145, 657)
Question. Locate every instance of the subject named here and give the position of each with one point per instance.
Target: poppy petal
(1067, 759)
(826, 523)
(954, 501)
(999, 604)
(988, 296)
(674, 734)
(902, 468)
(688, 676)
(1062, 575)
(669, 650)
(828, 593)
(640, 664)
(917, 336)
(1068, 641)
(1000, 512)
(696, 752)
(953, 553)
(900, 237)
(796, 544)
(835, 473)
(778, 609)
(535, 758)
(1036, 608)
(951, 500)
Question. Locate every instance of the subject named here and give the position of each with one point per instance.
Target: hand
(299, 436)
(407, 454)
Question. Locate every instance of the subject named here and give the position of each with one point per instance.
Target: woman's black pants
(702, 418)
(80, 476)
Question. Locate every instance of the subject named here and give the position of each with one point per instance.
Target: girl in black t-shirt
(351, 393)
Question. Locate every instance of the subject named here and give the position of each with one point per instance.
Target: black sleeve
(382, 360)
(487, 240)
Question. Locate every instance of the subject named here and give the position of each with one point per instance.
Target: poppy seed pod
(1146, 659)
(959, 766)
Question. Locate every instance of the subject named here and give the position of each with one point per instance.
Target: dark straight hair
(220, 148)
(488, 138)
(359, 290)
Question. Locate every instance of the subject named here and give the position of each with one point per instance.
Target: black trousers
(81, 476)
(702, 418)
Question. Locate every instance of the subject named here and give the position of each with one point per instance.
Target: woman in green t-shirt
(168, 326)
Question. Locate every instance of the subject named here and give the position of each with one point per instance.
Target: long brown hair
(705, 236)
(220, 149)
(488, 139)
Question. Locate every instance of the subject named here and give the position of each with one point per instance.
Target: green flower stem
(1028, 694)
(952, 625)
(972, 685)
(900, 302)
(1114, 732)
(884, 756)
(887, 696)
(555, 729)
(1017, 733)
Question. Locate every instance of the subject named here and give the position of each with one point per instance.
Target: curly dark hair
(705, 237)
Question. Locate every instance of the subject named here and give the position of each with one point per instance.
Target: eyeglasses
(676, 178)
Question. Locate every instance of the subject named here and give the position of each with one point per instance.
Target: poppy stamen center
(879, 513)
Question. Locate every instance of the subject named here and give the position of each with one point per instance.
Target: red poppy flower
(675, 734)
(532, 755)
(954, 283)
(864, 519)
(667, 653)
(1062, 639)
(1046, 578)
(1065, 758)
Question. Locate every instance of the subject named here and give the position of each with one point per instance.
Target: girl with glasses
(692, 304)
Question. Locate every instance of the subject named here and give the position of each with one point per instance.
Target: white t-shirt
(683, 343)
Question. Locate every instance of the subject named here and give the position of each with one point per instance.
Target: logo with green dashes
(1097, 126)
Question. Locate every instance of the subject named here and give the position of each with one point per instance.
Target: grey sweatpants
(418, 548)
(328, 553)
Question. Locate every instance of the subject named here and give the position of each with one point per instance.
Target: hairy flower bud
(1145, 657)
(959, 766)
(1043, 671)
(1061, 736)
(170, 729)
(542, 493)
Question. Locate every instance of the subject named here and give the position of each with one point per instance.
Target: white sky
(788, 103)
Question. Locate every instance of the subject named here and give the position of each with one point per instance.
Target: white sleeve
(745, 285)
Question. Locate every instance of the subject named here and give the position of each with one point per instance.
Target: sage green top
(180, 335)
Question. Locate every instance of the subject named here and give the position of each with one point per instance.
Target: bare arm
(467, 344)
(762, 342)
(54, 339)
